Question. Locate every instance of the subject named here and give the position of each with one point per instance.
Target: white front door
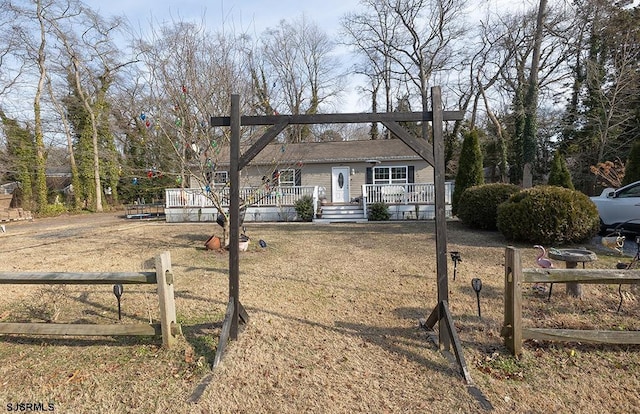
(340, 184)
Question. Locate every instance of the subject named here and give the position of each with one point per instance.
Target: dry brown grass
(333, 326)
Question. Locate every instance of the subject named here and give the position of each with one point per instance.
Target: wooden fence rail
(163, 277)
(515, 276)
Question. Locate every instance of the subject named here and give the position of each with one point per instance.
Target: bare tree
(94, 59)
(191, 75)
(408, 41)
(371, 34)
(301, 69)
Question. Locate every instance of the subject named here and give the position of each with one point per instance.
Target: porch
(406, 202)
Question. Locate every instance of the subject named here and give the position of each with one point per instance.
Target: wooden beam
(419, 146)
(79, 329)
(234, 214)
(440, 213)
(457, 345)
(85, 278)
(596, 276)
(348, 118)
(224, 334)
(262, 142)
(578, 335)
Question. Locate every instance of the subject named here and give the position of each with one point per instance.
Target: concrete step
(341, 213)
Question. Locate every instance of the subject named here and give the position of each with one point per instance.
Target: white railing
(256, 197)
(404, 193)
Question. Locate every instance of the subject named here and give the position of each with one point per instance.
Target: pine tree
(559, 174)
(632, 168)
(470, 172)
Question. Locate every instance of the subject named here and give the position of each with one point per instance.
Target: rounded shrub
(478, 206)
(304, 208)
(379, 212)
(548, 214)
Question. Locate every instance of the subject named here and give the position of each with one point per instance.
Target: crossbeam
(348, 118)
(66, 278)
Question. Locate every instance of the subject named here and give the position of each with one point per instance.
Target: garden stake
(117, 290)
(455, 256)
(476, 284)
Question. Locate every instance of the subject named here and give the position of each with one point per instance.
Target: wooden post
(512, 326)
(234, 215)
(166, 297)
(440, 214)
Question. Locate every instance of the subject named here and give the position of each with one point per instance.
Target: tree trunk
(40, 162)
(531, 100)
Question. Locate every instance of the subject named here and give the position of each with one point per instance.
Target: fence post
(166, 298)
(512, 327)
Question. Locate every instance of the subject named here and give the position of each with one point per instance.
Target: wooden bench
(163, 277)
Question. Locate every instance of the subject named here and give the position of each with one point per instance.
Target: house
(343, 177)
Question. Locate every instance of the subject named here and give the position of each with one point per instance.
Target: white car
(619, 209)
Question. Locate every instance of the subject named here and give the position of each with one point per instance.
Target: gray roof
(337, 152)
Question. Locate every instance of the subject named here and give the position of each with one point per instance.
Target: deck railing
(276, 197)
(404, 193)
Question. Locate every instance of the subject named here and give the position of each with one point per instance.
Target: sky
(252, 16)
(238, 16)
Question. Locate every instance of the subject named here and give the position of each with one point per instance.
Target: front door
(340, 184)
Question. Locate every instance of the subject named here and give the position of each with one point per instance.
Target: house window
(287, 178)
(390, 175)
(221, 177)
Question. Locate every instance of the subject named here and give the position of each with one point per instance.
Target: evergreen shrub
(632, 167)
(304, 208)
(470, 170)
(559, 174)
(548, 215)
(379, 212)
(478, 206)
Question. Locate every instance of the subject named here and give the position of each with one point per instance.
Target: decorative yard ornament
(545, 263)
(476, 284)
(455, 256)
(614, 242)
(117, 290)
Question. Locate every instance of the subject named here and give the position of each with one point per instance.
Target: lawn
(333, 327)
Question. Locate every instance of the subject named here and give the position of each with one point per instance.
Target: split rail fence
(162, 276)
(514, 332)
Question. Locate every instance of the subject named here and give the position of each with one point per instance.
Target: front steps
(341, 213)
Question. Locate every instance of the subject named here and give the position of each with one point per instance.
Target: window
(287, 178)
(390, 175)
(221, 177)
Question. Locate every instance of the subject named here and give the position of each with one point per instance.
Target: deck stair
(341, 213)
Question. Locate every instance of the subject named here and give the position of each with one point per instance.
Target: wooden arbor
(432, 153)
